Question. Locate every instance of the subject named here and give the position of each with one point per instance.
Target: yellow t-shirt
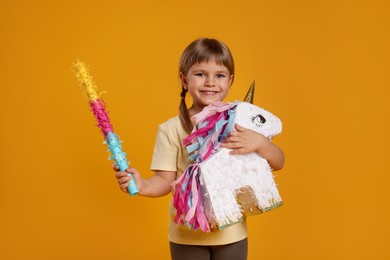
(170, 155)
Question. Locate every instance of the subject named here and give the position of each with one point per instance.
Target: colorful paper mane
(99, 110)
(219, 190)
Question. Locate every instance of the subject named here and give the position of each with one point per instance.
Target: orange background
(321, 66)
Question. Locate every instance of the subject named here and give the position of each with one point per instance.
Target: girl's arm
(155, 186)
(245, 141)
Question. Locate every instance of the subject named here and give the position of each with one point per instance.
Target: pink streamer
(210, 110)
(212, 120)
(189, 202)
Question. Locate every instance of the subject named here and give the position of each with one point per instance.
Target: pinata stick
(100, 113)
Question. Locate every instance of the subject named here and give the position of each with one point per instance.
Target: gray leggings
(236, 251)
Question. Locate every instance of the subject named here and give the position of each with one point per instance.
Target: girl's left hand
(244, 141)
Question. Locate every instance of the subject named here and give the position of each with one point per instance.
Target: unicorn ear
(250, 94)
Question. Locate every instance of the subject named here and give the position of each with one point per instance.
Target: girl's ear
(231, 80)
(183, 80)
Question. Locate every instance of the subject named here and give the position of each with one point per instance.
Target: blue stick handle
(132, 189)
(120, 159)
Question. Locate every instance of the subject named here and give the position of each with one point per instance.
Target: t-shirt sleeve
(165, 150)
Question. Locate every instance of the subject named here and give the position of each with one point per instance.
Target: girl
(206, 72)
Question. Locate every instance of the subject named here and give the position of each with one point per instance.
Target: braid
(183, 93)
(184, 115)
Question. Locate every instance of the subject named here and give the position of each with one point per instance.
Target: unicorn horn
(250, 94)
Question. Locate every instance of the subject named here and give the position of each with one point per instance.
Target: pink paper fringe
(99, 110)
(188, 200)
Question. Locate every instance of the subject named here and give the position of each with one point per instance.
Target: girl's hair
(201, 50)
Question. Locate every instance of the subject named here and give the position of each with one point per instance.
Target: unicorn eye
(259, 120)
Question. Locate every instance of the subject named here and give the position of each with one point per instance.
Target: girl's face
(206, 82)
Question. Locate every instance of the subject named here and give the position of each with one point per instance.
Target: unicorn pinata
(219, 189)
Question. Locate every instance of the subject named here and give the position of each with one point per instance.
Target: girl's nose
(209, 82)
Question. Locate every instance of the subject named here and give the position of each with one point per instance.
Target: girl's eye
(259, 120)
(220, 75)
(200, 74)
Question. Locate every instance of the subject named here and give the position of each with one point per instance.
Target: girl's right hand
(124, 179)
